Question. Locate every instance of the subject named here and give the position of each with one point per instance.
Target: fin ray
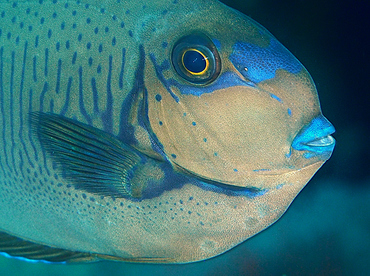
(91, 159)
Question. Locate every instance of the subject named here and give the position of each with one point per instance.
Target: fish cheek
(223, 135)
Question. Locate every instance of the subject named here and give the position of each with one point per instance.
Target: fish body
(169, 131)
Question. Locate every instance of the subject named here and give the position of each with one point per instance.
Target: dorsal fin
(93, 160)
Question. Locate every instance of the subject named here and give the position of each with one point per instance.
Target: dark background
(326, 231)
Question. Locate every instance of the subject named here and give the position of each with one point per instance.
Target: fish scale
(109, 152)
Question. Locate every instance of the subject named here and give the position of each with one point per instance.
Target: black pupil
(194, 61)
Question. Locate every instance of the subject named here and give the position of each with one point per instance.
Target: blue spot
(184, 114)
(164, 44)
(96, 30)
(106, 29)
(30, 28)
(258, 64)
(79, 37)
(194, 123)
(74, 25)
(100, 48)
(102, 10)
(113, 41)
(57, 46)
(173, 155)
(49, 33)
(54, 15)
(205, 139)
(88, 20)
(66, 5)
(276, 97)
(87, 6)
(14, 4)
(98, 69)
(279, 186)
(164, 12)
(235, 170)
(90, 61)
(67, 44)
(42, 20)
(160, 123)
(88, 45)
(74, 13)
(114, 17)
(130, 33)
(63, 25)
(122, 24)
(21, 25)
(158, 97)
(216, 154)
(289, 112)
(128, 12)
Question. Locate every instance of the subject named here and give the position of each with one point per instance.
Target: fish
(164, 131)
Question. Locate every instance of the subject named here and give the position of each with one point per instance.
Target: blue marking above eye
(258, 64)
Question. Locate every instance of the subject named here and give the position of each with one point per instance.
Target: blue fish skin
(114, 146)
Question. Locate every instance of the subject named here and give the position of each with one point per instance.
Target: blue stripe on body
(59, 71)
(126, 130)
(68, 93)
(95, 96)
(81, 99)
(46, 62)
(20, 134)
(11, 104)
(30, 138)
(2, 110)
(120, 81)
(42, 95)
(107, 116)
(34, 69)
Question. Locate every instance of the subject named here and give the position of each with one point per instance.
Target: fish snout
(316, 139)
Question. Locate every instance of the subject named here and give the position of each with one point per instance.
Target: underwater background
(326, 231)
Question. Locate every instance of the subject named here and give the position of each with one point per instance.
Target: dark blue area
(262, 63)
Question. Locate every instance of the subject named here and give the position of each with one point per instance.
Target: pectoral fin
(91, 159)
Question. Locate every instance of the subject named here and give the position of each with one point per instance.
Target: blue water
(326, 231)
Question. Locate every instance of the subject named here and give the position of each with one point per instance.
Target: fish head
(226, 102)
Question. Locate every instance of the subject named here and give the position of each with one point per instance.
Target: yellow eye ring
(194, 60)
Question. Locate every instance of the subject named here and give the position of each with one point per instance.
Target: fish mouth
(315, 138)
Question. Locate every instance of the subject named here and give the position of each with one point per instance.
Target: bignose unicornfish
(148, 131)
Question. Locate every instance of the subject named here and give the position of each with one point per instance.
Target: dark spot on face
(158, 97)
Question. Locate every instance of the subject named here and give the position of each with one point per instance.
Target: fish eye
(195, 58)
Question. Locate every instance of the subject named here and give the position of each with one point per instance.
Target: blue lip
(315, 138)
